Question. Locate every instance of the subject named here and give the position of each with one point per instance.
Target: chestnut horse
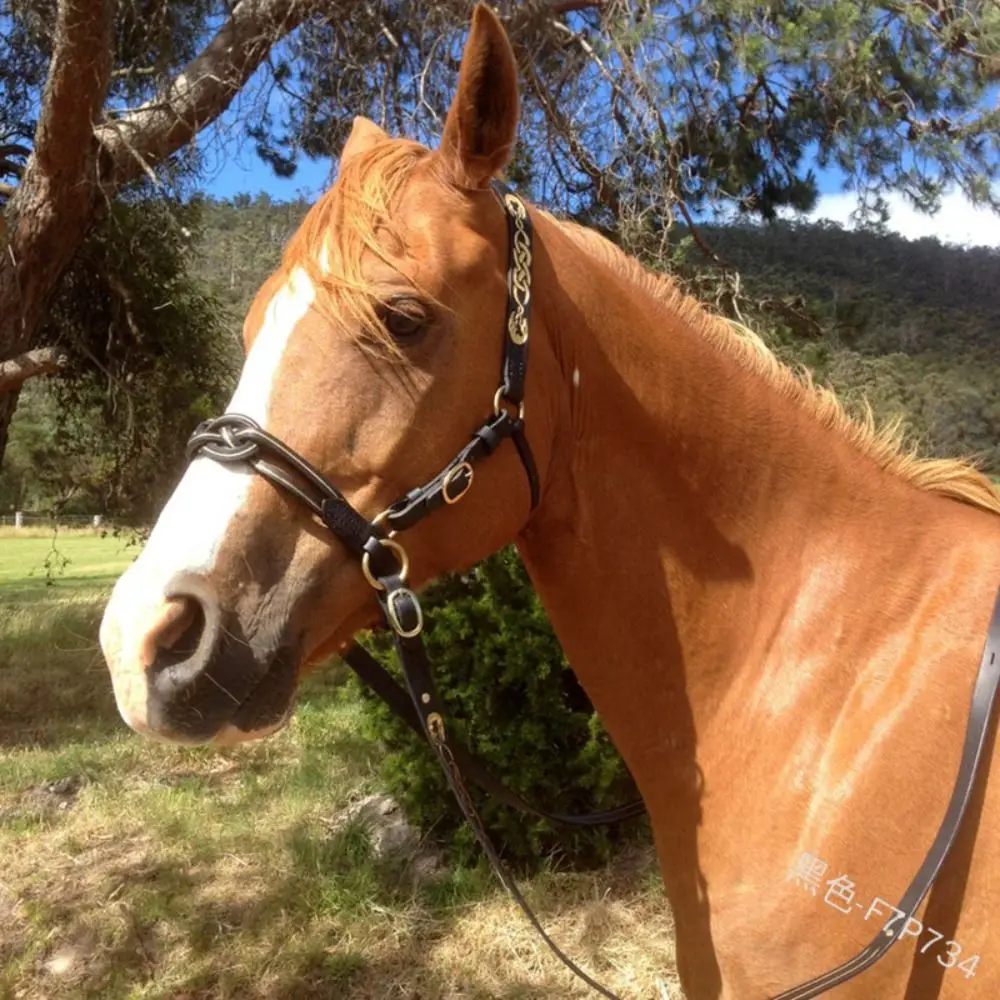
(777, 613)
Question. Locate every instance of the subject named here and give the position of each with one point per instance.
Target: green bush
(512, 699)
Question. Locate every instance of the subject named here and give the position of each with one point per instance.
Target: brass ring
(451, 477)
(393, 615)
(379, 519)
(400, 552)
(500, 394)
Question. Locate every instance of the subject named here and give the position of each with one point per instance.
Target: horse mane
(954, 478)
(356, 214)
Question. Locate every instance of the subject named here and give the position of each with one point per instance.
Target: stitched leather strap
(234, 438)
(451, 483)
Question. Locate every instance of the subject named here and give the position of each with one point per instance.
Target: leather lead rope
(372, 673)
(420, 684)
(977, 728)
(233, 438)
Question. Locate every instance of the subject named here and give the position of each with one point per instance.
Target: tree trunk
(54, 205)
(79, 161)
(8, 403)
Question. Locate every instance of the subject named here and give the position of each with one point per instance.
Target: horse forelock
(353, 220)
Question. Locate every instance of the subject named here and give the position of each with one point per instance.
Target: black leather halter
(233, 438)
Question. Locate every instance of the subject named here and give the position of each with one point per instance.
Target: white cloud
(957, 221)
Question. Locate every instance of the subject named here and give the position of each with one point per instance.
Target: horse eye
(405, 319)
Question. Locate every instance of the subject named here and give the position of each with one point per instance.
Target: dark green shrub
(511, 699)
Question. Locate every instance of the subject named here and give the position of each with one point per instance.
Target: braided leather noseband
(233, 438)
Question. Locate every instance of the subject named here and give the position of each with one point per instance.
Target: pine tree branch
(41, 361)
(147, 135)
(75, 90)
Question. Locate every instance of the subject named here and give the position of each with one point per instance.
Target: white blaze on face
(190, 531)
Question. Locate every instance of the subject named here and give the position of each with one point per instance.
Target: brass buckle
(393, 614)
(465, 467)
(435, 726)
(404, 561)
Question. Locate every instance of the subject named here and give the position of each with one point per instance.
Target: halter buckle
(392, 612)
(451, 477)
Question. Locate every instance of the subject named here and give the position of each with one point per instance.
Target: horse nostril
(189, 694)
(176, 634)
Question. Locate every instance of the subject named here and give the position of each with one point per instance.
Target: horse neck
(688, 503)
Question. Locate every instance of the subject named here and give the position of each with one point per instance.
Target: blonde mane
(951, 477)
(356, 215)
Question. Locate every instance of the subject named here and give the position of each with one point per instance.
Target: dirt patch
(44, 801)
(392, 837)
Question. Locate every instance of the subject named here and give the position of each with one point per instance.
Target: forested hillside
(912, 325)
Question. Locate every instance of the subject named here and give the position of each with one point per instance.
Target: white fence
(28, 519)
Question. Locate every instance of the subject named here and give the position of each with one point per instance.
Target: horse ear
(479, 133)
(364, 134)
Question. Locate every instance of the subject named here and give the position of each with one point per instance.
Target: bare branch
(203, 89)
(604, 186)
(566, 6)
(125, 297)
(41, 361)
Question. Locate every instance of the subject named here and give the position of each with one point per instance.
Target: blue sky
(957, 222)
(245, 173)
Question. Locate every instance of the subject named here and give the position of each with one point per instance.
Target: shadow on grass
(54, 685)
(129, 918)
(335, 925)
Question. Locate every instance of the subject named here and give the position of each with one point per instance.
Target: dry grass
(134, 871)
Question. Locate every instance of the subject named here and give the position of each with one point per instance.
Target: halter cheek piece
(233, 438)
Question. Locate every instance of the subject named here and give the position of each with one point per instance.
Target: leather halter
(233, 438)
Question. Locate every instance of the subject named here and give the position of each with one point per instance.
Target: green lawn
(136, 871)
(43, 565)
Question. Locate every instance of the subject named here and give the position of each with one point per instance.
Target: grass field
(134, 871)
(37, 564)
